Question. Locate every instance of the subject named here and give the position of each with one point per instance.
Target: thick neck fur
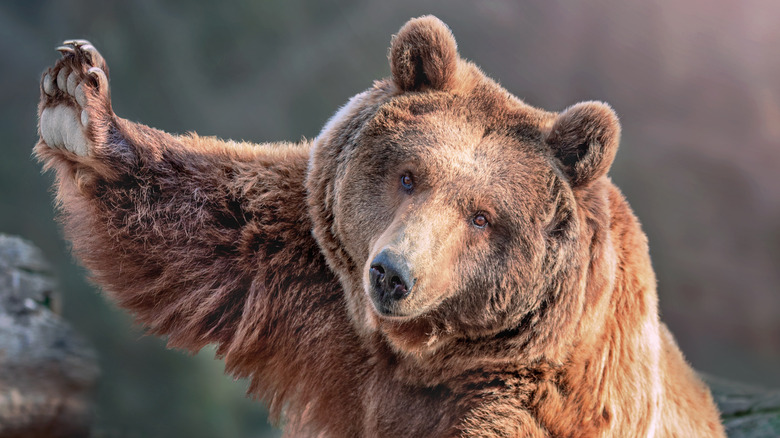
(610, 381)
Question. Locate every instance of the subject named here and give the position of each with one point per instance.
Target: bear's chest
(393, 409)
(396, 408)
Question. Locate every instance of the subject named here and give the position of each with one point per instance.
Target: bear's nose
(390, 277)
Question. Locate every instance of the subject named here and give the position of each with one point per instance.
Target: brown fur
(544, 323)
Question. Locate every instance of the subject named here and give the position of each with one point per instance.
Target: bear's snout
(390, 279)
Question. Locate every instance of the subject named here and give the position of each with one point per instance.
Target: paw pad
(71, 90)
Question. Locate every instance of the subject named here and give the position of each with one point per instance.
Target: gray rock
(46, 369)
(747, 411)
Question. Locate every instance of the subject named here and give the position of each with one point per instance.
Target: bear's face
(446, 205)
(436, 203)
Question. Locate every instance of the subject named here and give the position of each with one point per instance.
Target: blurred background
(696, 84)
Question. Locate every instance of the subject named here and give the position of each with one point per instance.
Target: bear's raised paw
(75, 102)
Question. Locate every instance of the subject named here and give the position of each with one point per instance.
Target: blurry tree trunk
(46, 368)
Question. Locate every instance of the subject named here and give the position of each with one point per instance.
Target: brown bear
(442, 260)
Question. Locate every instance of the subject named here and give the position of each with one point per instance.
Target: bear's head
(455, 214)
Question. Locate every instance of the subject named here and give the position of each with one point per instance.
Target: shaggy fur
(540, 322)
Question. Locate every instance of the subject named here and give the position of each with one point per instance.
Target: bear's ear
(424, 55)
(585, 138)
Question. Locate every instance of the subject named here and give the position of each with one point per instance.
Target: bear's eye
(407, 182)
(479, 221)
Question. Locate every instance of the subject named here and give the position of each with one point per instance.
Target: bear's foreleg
(205, 241)
(181, 230)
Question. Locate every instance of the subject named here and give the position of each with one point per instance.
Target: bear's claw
(99, 75)
(75, 87)
(76, 43)
(65, 49)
